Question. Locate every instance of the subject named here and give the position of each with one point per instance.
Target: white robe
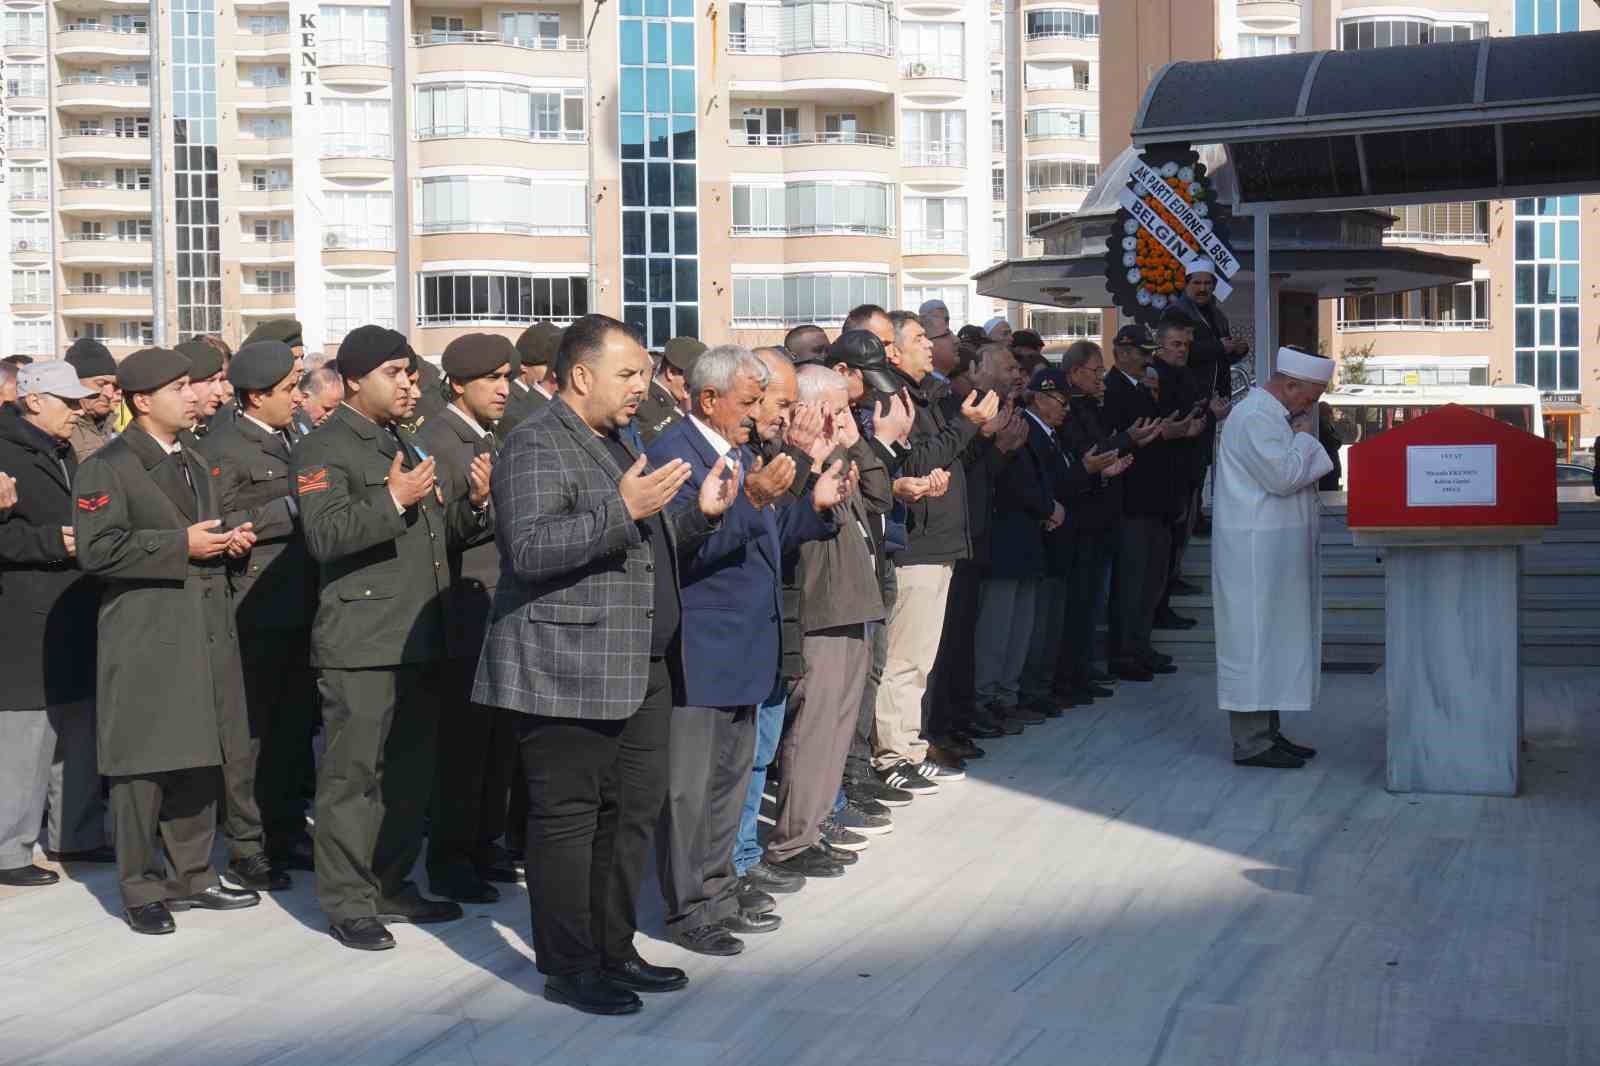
(1265, 576)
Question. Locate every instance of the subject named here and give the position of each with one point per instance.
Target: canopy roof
(1499, 117)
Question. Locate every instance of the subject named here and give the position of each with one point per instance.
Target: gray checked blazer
(569, 632)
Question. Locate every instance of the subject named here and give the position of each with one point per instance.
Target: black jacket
(1024, 497)
(1100, 508)
(1148, 487)
(937, 528)
(1071, 485)
(48, 607)
(1206, 356)
(474, 559)
(1181, 389)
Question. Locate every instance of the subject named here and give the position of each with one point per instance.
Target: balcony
(30, 247)
(25, 44)
(505, 146)
(335, 57)
(29, 148)
(259, 199)
(744, 139)
(103, 249)
(254, 149)
(358, 238)
(100, 42)
(103, 197)
(813, 150)
(774, 44)
(934, 154)
(823, 56)
(1374, 325)
(101, 144)
(934, 242)
(269, 249)
(501, 133)
(337, 145)
(265, 299)
(28, 198)
(262, 45)
(533, 43)
(249, 96)
(486, 50)
(95, 92)
(919, 68)
(27, 94)
(102, 301)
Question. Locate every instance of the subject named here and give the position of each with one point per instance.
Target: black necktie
(183, 464)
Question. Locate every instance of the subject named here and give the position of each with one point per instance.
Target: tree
(1353, 364)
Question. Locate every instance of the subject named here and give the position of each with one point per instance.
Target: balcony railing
(28, 144)
(934, 154)
(249, 186)
(275, 83)
(535, 42)
(825, 229)
(27, 192)
(103, 131)
(348, 146)
(267, 290)
(744, 138)
(1434, 237)
(96, 27)
(370, 237)
(266, 238)
(108, 290)
(26, 88)
(774, 44)
(1452, 324)
(507, 133)
(101, 79)
(524, 229)
(27, 41)
(931, 67)
(935, 242)
(117, 237)
(1072, 35)
(120, 186)
(364, 53)
(272, 31)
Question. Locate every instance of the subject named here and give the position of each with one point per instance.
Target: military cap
(149, 369)
(1049, 379)
(477, 355)
(1134, 335)
(537, 346)
(90, 358)
(258, 367)
(368, 347)
(681, 352)
(286, 330)
(204, 360)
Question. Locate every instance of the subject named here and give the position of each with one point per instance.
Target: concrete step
(1554, 610)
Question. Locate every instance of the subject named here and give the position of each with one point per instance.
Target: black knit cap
(90, 358)
(204, 360)
(537, 346)
(286, 330)
(366, 348)
(258, 367)
(149, 369)
(477, 355)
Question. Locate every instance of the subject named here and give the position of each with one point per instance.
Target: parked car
(1574, 474)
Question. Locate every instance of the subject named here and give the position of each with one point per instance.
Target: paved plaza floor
(1106, 889)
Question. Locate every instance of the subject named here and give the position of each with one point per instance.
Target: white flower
(1143, 296)
(1186, 174)
(1129, 259)
(1130, 244)
(1130, 227)
(1195, 189)
(1158, 301)
(1169, 169)
(1202, 210)
(1133, 276)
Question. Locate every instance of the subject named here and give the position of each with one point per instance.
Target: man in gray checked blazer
(584, 641)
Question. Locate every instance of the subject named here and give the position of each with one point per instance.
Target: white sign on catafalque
(1451, 475)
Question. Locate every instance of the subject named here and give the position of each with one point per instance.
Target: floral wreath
(1142, 275)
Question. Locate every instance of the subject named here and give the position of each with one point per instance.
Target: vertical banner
(306, 127)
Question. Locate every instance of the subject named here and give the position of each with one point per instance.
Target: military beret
(681, 352)
(286, 330)
(368, 347)
(259, 367)
(477, 355)
(149, 369)
(537, 345)
(90, 358)
(204, 360)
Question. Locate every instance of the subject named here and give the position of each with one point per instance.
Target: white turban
(1201, 266)
(1306, 367)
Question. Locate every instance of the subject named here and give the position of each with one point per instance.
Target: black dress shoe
(778, 879)
(28, 877)
(1047, 708)
(754, 901)
(104, 853)
(257, 874)
(1095, 690)
(1170, 619)
(984, 727)
(1272, 759)
(151, 919)
(1179, 587)
(216, 898)
(959, 746)
(838, 855)
(1023, 715)
(708, 940)
(745, 922)
(1151, 657)
(482, 892)
(1299, 751)
(1100, 677)
(363, 934)
(591, 992)
(812, 862)
(418, 910)
(639, 976)
(1132, 671)
(1160, 664)
(501, 873)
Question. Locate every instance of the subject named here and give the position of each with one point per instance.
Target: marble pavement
(1106, 890)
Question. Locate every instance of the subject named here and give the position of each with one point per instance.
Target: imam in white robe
(1265, 576)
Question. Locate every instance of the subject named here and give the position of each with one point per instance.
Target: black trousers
(280, 695)
(1089, 552)
(374, 783)
(475, 749)
(162, 818)
(858, 763)
(595, 791)
(1138, 578)
(708, 777)
(952, 696)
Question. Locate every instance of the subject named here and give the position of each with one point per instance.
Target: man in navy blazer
(732, 613)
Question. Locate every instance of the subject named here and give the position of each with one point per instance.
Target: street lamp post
(594, 123)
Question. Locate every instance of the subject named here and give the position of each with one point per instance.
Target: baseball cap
(861, 350)
(1134, 335)
(55, 378)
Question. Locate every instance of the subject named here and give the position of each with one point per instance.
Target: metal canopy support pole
(1265, 344)
(158, 186)
(1011, 91)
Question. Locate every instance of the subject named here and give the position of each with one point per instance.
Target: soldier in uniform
(286, 330)
(476, 743)
(429, 385)
(275, 596)
(669, 390)
(148, 524)
(210, 390)
(378, 527)
(536, 354)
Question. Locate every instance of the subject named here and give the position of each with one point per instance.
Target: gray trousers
(49, 778)
(709, 754)
(1044, 648)
(1253, 732)
(823, 706)
(1005, 630)
(162, 818)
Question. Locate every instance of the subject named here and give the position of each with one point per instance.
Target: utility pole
(1016, 220)
(589, 136)
(158, 185)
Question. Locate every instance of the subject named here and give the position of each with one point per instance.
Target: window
(931, 49)
(1546, 16)
(997, 37)
(132, 126)
(30, 183)
(92, 330)
(811, 26)
(1546, 254)
(531, 29)
(23, 29)
(935, 225)
(803, 208)
(935, 138)
(1463, 306)
(30, 286)
(266, 128)
(1065, 325)
(997, 134)
(443, 29)
(272, 281)
(499, 299)
(483, 109)
(25, 79)
(1267, 44)
(1042, 218)
(1064, 22)
(1466, 221)
(139, 334)
(89, 281)
(997, 178)
(1062, 174)
(262, 25)
(263, 179)
(31, 336)
(355, 128)
(997, 86)
(489, 204)
(132, 178)
(1060, 122)
(90, 231)
(954, 297)
(1387, 32)
(1055, 74)
(25, 132)
(130, 24)
(266, 77)
(354, 35)
(270, 230)
(770, 125)
(133, 229)
(30, 234)
(357, 304)
(798, 299)
(135, 280)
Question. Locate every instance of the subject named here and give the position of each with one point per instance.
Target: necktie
(183, 464)
(288, 441)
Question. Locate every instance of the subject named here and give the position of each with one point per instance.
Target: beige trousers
(913, 633)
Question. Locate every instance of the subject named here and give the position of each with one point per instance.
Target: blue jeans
(769, 728)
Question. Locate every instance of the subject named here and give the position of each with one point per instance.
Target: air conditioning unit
(919, 70)
(332, 240)
(24, 246)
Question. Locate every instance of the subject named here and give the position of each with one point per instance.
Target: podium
(1451, 497)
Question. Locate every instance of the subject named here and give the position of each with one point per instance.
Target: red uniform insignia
(216, 471)
(313, 480)
(93, 503)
